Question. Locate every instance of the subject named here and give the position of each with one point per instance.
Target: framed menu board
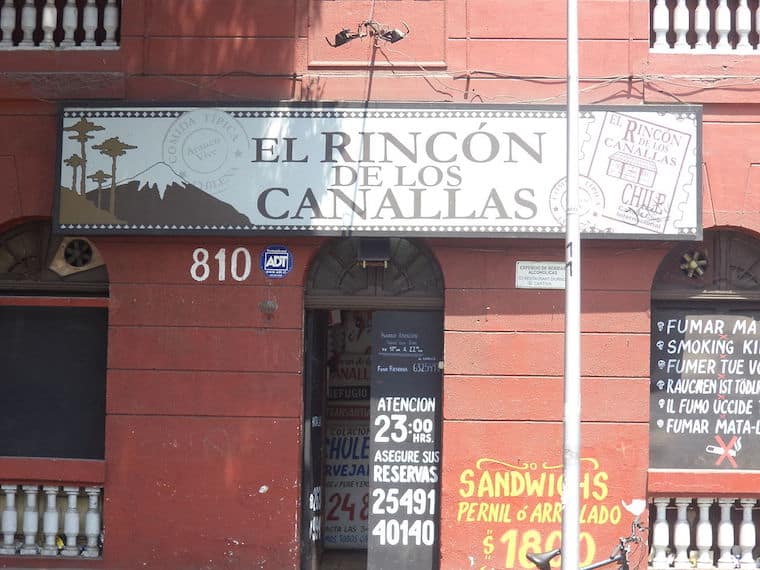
(705, 388)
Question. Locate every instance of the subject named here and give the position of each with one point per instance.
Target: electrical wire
(443, 83)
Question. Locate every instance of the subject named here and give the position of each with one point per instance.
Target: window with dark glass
(54, 327)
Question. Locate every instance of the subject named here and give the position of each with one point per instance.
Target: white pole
(572, 397)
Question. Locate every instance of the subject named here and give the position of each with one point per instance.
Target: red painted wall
(204, 404)
(204, 391)
(503, 397)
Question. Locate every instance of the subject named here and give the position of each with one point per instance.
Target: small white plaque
(540, 275)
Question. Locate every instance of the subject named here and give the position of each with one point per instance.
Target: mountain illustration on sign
(157, 196)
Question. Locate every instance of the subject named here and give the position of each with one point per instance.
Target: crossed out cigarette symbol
(726, 451)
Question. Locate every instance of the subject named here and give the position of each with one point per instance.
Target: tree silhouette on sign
(99, 177)
(74, 161)
(81, 130)
(114, 148)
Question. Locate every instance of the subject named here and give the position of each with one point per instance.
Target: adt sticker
(276, 261)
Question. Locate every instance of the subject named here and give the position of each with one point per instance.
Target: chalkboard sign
(705, 389)
(405, 447)
(53, 380)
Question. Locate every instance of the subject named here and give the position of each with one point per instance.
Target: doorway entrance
(372, 407)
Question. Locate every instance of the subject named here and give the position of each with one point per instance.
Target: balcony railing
(704, 532)
(705, 26)
(59, 24)
(50, 520)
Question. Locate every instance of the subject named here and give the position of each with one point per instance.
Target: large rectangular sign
(376, 169)
(704, 391)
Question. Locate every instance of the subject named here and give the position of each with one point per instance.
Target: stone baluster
(681, 25)
(69, 23)
(49, 23)
(660, 25)
(743, 27)
(660, 534)
(723, 25)
(704, 533)
(747, 534)
(92, 522)
(110, 23)
(50, 521)
(71, 522)
(682, 534)
(90, 23)
(725, 533)
(702, 25)
(9, 523)
(28, 23)
(31, 521)
(7, 24)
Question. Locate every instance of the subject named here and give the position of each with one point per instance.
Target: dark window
(54, 330)
(53, 386)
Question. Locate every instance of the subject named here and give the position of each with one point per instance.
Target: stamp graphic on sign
(207, 147)
(639, 163)
(590, 201)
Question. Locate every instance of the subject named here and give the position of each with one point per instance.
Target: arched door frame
(702, 296)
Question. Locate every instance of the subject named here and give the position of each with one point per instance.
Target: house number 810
(239, 264)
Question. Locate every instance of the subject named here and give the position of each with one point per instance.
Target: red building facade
(175, 403)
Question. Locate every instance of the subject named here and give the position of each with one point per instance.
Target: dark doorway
(358, 512)
(372, 439)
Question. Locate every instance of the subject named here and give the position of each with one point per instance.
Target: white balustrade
(71, 522)
(51, 514)
(49, 16)
(50, 521)
(92, 523)
(111, 22)
(31, 521)
(69, 25)
(722, 25)
(743, 26)
(28, 23)
(660, 534)
(681, 534)
(702, 25)
(747, 534)
(55, 24)
(660, 25)
(704, 532)
(725, 534)
(9, 522)
(681, 26)
(705, 26)
(90, 23)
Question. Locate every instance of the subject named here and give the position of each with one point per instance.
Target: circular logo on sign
(207, 148)
(276, 261)
(590, 201)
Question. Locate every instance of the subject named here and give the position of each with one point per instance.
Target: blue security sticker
(276, 261)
